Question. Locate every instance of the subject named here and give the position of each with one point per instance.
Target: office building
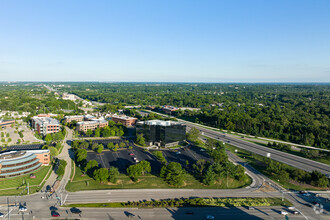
(70, 118)
(161, 133)
(125, 120)
(45, 125)
(15, 163)
(84, 126)
(6, 123)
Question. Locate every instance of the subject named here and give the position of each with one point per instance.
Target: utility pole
(28, 189)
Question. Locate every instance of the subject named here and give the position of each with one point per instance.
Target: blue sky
(165, 40)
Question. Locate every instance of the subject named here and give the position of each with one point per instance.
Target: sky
(165, 40)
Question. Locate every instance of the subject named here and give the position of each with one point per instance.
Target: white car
(291, 208)
(284, 213)
(22, 209)
(178, 152)
(202, 149)
(1, 215)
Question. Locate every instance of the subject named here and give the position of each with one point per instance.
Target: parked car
(55, 214)
(251, 208)
(1, 215)
(189, 213)
(284, 213)
(178, 152)
(309, 205)
(291, 208)
(202, 149)
(22, 209)
(295, 212)
(131, 154)
(75, 210)
(210, 217)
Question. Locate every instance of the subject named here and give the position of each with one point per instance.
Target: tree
(83, 145)
(122, 145)
(240, 172)
(75, 144)
(115, 148)
(106, 131)
(57, 136)
(209, 176)
(89, 132)
(173, 174)
(91, 166)
(219, 156)
(100, 148)
(97, 132)
(53, 151)
(193, 134)
(319, 179)
(145, 165)
(60, 170)
(81, 154)
(199, 166)
(134, 171)
(111, 145)
(48, 138)
(95, 146)
(140, 140)
(113, 174)
(101, 174)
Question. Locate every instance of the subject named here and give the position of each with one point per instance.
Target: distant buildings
(45, 125)
(167, 109)
(125, 120)
(14, 114)
(84, 126)
(6, 123)
(161, 133)
(15, 163)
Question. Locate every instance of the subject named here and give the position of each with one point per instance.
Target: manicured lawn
(14, 186)
(145, 182)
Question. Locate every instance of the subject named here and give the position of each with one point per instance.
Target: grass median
(196, 202)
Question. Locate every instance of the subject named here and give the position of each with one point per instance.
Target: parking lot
(123, 158)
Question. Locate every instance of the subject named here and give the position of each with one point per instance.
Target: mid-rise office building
(125, 120)
(84, 126)
(45, 125)
(15, 163)
(167, 109)
(70, 118)
(161, 133)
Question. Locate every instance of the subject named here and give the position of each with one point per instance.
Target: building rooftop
(73, 116)
(95, 121)
(46, 120)
(159, 122)
(124, 117)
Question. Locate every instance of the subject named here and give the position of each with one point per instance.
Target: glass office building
(161, 133)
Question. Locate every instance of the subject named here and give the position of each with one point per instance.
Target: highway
(290, 159)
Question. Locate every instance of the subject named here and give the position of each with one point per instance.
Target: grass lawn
(14, 186)
(145, 182)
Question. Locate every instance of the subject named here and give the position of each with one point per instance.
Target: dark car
(75, 210)
(309, 205)
(189, 213)
(55, 214)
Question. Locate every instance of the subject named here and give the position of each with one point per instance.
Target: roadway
(290, 159)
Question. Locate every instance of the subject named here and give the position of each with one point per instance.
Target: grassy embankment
(17, 185)
(84, 182)
(256, 161)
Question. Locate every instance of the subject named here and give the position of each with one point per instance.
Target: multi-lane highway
(290, 159)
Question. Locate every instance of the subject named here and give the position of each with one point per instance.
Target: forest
(297, 113)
